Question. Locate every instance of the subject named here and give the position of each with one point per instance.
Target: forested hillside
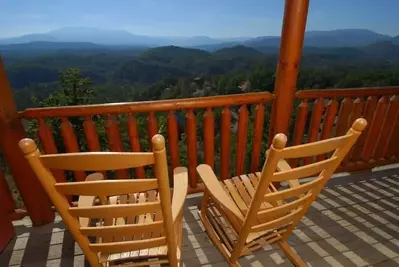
(138, 73)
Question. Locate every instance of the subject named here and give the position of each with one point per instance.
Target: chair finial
(27, 145)
(279, 141)
(359, 124)
(158, 142)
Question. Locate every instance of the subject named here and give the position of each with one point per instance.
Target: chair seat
(158, 255)
(241, 190)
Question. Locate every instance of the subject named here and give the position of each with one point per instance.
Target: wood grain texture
(300, 123)
(375, 129)
(134, 140)
(292, 35)
(345, 110)
(357, 110)
(225, 143)
(387, 128)
(314, 128)
(152, 126)
(97, 161)
(349, 92)
(393, 144)
(71, 143)
(173, 140)
(191, 147)
(48, 145)
(328, 124)
(107, 187)
(242, 136)
(6, 198)
(368, 114)
(209, 138)
(148, 106)
(257, 137)
(115, 142)
(90, 132)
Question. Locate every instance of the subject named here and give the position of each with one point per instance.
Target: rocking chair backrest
(115, 237)
(295, 200)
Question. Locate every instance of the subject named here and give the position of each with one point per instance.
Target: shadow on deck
(353, 223)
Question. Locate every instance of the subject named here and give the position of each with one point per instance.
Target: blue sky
(215, 18)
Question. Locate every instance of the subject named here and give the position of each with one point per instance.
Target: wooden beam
(293, 32)
(11, 132)
(6, 228)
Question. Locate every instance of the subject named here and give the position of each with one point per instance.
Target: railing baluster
(134, 139)
(90, 131)
(375, 129)
(393, 144)
(357, 110)
(387, 128)
(343, 116)
(71, 144)
(242, 136)
(314, 128)
(328, 124)
(6, 198)
(91, 135)
(300, 124)
(115, 142)
(173, 140)
(48, 145)
(272, 123)
(191, 147)
(152, 127)
(368, 113)
(356, 113)
(209, 138)
(225, 140)
(257, 138)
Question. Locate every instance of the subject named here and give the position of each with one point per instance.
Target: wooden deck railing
(334, 110)
(227, 132)
(214, 114)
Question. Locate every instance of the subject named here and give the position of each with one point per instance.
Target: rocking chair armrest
(88, 201)
(283, 165)
(180, 186)
(215, 189)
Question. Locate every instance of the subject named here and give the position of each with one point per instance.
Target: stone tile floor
(355, 222)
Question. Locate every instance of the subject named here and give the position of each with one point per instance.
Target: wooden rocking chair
(137, 222)
(245, 213)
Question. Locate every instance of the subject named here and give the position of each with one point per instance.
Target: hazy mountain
(114, 37)
(383, 50)
(43, 45)
(267, 44)
(239, 51)
(335, 38)
(348, 37)
(37, 37)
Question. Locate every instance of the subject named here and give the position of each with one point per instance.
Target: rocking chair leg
(294, 258)
(215, 240)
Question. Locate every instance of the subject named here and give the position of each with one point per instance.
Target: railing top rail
(350, 92)
(147, 106)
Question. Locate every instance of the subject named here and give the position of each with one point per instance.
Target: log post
(292, 35)
(11, 131)
(6, 228)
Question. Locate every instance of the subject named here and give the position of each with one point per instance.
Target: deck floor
(355, 222)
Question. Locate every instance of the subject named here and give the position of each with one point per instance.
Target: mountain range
(122, 38)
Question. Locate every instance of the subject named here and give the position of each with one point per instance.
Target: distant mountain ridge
(334, 38)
